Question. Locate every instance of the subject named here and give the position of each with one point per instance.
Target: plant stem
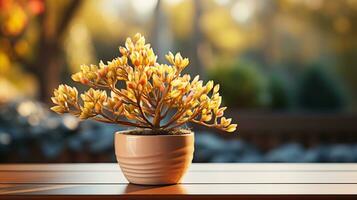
(138, 100)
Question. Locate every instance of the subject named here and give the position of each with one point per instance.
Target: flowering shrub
(153, 95)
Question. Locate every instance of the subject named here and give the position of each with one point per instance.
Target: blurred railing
(269, 129)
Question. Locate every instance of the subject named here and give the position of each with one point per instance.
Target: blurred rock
(207, 146)
(291, 152)
(236, 146)
(354, 152)
(210, 141)
(250, 158)
(341, 153)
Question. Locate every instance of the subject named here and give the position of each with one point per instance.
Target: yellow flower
(63, 97)
(93, 101)
(231, 128)
(216, 89)
(143, 91)
(177, 60)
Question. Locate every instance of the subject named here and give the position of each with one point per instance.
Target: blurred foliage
(280, 91)
(220, 29)
(319, 91)
(181, 22)
(278, 35)
(31, 36)
(15, 17)
(242, 84)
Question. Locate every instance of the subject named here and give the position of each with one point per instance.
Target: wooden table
(223, 181)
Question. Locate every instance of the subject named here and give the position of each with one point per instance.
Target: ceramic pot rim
(153, 135)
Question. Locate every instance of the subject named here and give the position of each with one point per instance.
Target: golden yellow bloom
(93, 101)
(150, 92)
(64, 97)
(231, 128)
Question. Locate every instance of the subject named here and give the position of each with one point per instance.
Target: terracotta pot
(154, 159)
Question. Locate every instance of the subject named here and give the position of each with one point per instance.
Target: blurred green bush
(281, 92)
(242, 84)
(318, 90)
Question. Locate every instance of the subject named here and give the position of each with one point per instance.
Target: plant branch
(157, 117)
(192, 118)
(138, 100)
(176, 116)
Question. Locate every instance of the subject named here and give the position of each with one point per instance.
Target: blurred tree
(161, 33)
(43, 25)
(14, 18)
(187, 30)
(196, 41)
(49, 59)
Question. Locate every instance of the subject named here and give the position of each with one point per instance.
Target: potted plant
(155, 99)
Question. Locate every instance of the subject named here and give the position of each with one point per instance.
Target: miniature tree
(152, 95)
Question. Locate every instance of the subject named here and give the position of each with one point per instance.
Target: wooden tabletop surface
(228, 181)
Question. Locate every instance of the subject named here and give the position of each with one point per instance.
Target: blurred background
(287, 70)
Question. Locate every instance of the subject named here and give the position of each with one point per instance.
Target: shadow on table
(165, 189)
